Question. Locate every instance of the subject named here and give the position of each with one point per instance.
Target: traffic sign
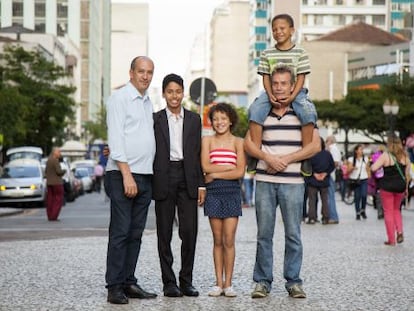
(203, 86)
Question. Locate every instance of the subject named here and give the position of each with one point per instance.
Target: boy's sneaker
(260, 291)
(306, 168)
(296, 291)
(251, 164)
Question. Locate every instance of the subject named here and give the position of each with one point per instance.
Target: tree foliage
(35, 100)
(362, 110)
(97, 129)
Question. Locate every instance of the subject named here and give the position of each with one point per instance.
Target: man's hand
(105, 151)
(275, 162)
(319, 176)
(130, 186)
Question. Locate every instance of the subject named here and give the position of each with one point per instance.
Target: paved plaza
(345, 267)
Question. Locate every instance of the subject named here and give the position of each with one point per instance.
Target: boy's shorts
(302, 105)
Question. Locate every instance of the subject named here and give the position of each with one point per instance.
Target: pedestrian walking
(322, 166)
(55, 191)
(99, 173)
(393, 186)
(336, 155)
(359, 172)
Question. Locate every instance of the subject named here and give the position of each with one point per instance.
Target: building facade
(81, 24)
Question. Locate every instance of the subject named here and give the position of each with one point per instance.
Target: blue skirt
(223, 199)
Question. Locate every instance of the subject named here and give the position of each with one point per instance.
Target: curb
(10, 212)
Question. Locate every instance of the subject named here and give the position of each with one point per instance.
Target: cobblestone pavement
(346, 267)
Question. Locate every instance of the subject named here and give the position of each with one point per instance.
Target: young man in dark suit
(177, 185)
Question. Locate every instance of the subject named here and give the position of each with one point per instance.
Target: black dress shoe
(135, 291)
(189, 290)
(172, 290)
(116, 295)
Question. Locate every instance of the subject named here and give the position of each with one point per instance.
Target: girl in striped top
(223, 162)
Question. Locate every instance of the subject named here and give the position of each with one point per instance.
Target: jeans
(290, 199)
(302, 105)
(360, 194)
(248, 185)
(333, 214)
(127, 223)
(392, 214)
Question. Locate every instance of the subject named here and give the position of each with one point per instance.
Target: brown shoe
(400, 238)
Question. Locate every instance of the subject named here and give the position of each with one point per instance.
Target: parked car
(71, 184)
(25, 152)
(89, 165)
(22, 183)
(82, 174)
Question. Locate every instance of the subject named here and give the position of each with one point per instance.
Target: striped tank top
(223, 157)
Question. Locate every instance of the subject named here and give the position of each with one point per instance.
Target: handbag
(354, 183)
(393, 180)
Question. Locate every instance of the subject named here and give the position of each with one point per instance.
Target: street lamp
(391, 111)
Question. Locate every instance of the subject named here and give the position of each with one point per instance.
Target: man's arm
(307, 151)
(273, 161)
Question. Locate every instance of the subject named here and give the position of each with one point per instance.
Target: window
(360, 2)
(260, 37)
(62, 9)
(360, 18)
(17, 9)
(378, 20)
(40, 27)
(378, 2)
(40, 9)
(339, 2)
(262, 5)
(318, 19)
(338, 20)
(61, 29)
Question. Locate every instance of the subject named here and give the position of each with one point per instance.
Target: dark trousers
(313, 202)
(127, 223)
(187, 227)
(54, 201)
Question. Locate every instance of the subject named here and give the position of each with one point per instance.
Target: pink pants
(54, 201)
(391, 203)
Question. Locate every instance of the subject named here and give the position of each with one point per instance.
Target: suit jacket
(191, 152)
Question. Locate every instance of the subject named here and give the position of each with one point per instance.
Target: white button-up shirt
(130, 130)
(175, 126)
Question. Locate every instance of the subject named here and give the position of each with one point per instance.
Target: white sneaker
(215, 291)
(229, 292)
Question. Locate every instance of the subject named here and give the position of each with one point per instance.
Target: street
(88, 215)
(345, 267)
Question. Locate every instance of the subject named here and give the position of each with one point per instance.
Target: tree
(35, 101)
(97, 129)
(243, 123)
(362, 110)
